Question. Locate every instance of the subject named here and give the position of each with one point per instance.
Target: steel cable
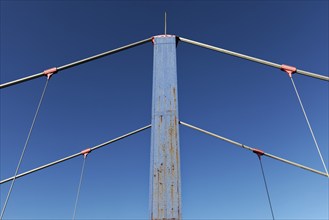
(75, 155)
(79, 186)
(267, 191)
(250, 58)
(254, 149)
(11, 83)
(309, 125)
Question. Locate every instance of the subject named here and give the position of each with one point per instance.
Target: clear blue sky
(100, 100)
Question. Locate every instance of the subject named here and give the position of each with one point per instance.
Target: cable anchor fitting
(50, 72)
(288, 69)
(85, 152)
(258, 152)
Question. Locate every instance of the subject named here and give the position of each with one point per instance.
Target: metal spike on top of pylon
(165, 23)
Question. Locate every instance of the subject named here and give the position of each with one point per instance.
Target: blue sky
(103, 99)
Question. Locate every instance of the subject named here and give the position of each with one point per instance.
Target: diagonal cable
(75, 155)
(309, 125)
(79, 186)
(24, 149)
(254, 149)
(76, 63)
(250, 58)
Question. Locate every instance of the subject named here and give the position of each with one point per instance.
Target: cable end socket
(85, 152)
(258, 152)
(288, 69)
(50, 72)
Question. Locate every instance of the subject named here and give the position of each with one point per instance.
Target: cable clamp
(258, 152)
(86, 152)
(50, 72)
(288, 69)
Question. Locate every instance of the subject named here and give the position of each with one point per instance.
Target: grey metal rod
(74, 155)
(165, 23)
(216, 136)
(4, 85)
(252, 149)
(41, 167)
(254, 59)
(121, 137)
(306, 73)
(104, 54)
(295, 164)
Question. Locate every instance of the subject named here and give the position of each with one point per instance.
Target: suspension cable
(24, 148)
(309, 124)
(259, 154)
(254, 149)
(75, 155)
(79, 186)
(4, 85)
(254, 59)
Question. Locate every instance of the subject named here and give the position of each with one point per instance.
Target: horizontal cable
(254, 149)
(74, 155)
(254, 59)
(4, 85)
